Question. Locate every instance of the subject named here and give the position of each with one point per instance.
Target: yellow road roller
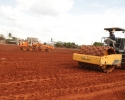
(103, 58)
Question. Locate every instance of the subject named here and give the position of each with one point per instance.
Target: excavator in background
(32, 45)
(103, 58)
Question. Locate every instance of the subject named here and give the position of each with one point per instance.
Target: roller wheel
(48, 50)
(24, 48)
(30, 48)
(36, 48)
(97, 51)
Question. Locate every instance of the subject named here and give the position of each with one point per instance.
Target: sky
(79, 21)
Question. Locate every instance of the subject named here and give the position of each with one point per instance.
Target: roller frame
(113, 59)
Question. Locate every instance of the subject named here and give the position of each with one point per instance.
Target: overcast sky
(79, 21)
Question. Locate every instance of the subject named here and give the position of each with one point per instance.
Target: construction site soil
(40, 75)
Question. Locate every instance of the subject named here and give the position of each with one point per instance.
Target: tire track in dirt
(68, 79)
(61, 77)
(84, 92)
(94, 95)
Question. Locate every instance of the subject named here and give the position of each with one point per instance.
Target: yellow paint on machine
(113, 59)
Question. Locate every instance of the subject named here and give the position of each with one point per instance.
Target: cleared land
(26, 75)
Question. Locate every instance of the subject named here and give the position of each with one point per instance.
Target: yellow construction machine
(35, 46)
(103, 58)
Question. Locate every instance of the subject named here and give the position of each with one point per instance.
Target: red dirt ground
(26, 75)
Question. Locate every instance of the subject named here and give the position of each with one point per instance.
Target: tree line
(98, 44)
(56, 44)
(66, 44)
(73, 45)
(9, 39)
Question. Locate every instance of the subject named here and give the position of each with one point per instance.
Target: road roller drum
(102, 58)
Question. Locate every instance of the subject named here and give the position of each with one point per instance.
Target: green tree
(10, 35)
(2, 37)
(44, 43)
(59, 44)
(73, 45)
(66, 44)
(69, 45)
(14, 38)
(98, 44)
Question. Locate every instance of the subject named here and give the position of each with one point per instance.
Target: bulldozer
(103, 58)
(34, 46)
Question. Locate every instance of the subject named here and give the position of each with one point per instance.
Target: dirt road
(54, 76)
